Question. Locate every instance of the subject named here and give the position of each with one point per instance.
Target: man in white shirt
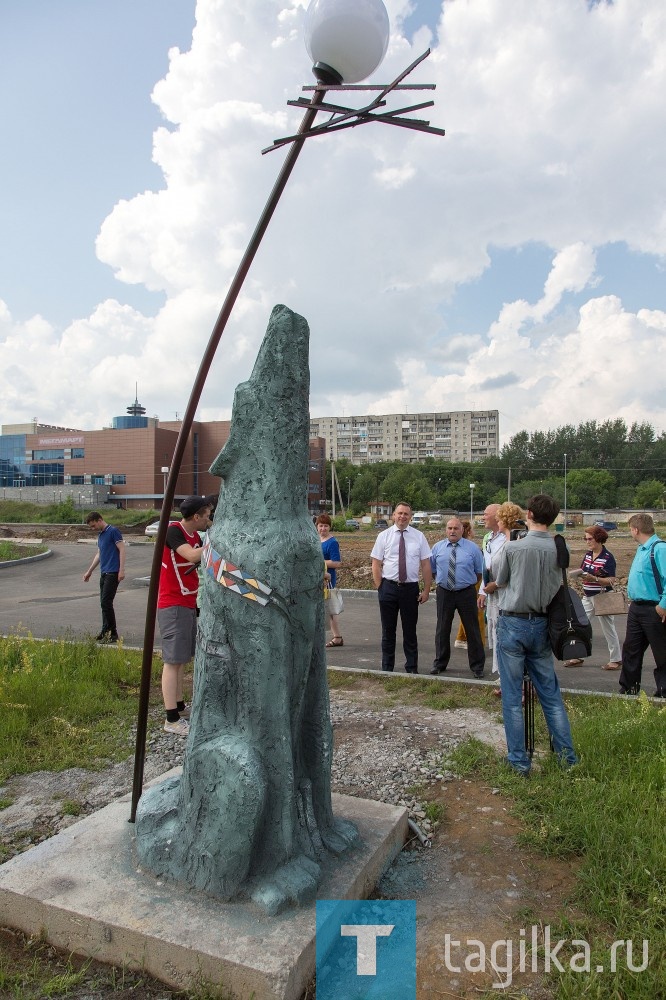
(398, 555)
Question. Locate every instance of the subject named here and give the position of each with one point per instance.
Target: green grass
(65, 704)
(606, 815)
(435, 695)
(10, 551)
(31, 970)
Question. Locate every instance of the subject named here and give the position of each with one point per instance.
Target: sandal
(335, 641)
(613, 665)
(574, 663)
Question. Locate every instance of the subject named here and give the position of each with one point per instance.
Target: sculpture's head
(264, 463)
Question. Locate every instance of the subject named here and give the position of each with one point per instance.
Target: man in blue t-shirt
(110, 557)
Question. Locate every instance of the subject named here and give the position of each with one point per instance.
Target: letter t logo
(366, 944)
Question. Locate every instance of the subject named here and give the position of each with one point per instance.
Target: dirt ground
(355, 548)
(474, 882)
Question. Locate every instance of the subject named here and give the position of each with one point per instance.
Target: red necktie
(402, 559)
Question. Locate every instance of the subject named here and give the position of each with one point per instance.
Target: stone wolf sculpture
(251, 814)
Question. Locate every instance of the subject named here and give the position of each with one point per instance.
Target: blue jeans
(522, 644)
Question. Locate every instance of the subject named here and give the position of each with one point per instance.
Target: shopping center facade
(125, 464)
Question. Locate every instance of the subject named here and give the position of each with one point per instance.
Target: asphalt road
(48, 599)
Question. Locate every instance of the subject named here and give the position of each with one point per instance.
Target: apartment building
(456, 436)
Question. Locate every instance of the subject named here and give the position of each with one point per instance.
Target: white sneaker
(459, 644)
(180, 728)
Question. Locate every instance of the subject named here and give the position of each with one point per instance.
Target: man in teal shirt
(646, 621)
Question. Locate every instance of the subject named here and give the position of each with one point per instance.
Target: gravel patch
(392, 755)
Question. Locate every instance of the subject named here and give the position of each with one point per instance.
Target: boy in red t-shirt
(177, 605)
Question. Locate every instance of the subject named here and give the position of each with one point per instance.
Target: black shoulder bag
(569, 628)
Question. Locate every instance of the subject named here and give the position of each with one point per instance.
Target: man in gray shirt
(528, 578)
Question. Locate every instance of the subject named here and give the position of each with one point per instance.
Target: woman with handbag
(332, 561)
(598, 576)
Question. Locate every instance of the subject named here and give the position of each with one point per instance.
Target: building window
(97, 480)
(78, 453)
(118, 479)
(51, 474)
(77, 480)
(47, 454)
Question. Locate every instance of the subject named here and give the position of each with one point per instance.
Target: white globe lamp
(346, 39)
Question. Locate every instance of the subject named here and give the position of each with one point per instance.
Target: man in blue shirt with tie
(457, 565)
(646, 621)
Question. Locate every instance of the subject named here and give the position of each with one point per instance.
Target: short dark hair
(543, 509)
(324, 519)
(93, 516)
(402, 503)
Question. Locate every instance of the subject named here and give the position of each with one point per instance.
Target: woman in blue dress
(331, 552)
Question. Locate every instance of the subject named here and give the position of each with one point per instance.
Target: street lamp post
(348, 493)
(165, 473)
(331, 27)
(471, 502)
(439, 482)
(565, 491)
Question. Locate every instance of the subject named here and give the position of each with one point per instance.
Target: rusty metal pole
(186, 427)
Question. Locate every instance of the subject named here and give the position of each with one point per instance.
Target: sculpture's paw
(294, 883)
(156, 818)
(339, 835)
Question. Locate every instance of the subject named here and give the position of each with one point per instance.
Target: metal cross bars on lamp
(343, 117)
(347, 40)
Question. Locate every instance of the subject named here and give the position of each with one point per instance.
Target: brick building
(123, 464)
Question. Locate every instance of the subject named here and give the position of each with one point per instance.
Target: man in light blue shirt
(646, 621)
(457, 565)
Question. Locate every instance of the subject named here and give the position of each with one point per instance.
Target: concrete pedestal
(83, 892)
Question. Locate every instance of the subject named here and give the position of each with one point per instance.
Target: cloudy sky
(518, 263)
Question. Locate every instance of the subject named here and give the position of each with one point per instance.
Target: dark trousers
(108, 585)
(464, 602)
(644, 628)
(403, 599)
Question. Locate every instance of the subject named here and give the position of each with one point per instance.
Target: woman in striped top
(599, 569)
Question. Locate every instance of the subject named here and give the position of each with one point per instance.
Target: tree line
(608, 465)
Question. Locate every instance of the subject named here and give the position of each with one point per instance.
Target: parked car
(152, 528)
(381, 523)
(436, 519)
(353, 524)
(607, 525)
